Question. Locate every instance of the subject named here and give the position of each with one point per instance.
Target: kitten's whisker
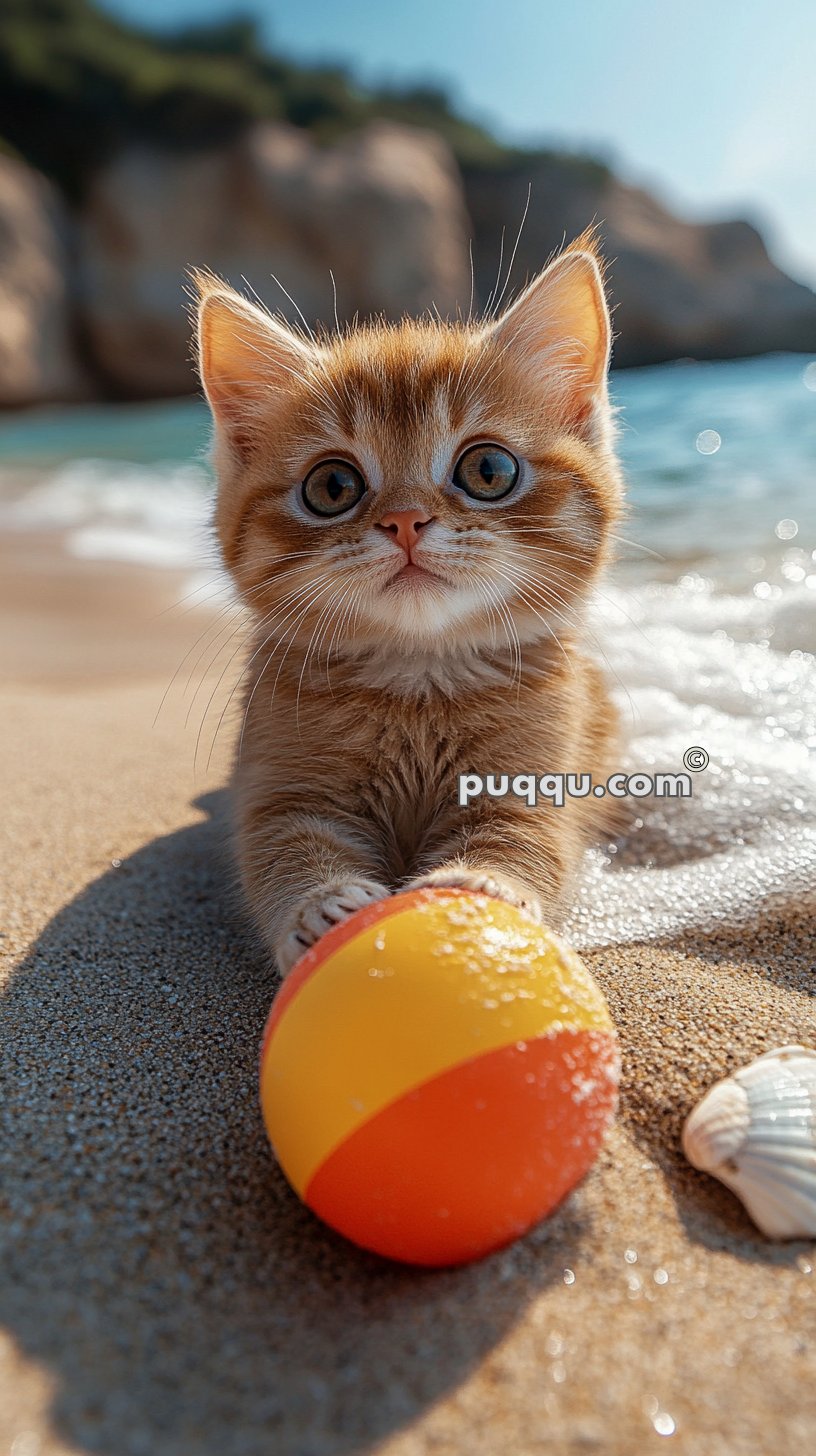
(219, 634)
(514, 641)
(326, 580)
(494, 290)
(638, 546)
(497, 304)
(252, 626)
(220, 584)
(236, 603)
(576, 533)
(338, 627)
(293, 635)
(596, 591)
(613, 536)
(334, 297)
(245, 669)
(489, 600)
(548, 585)
(207, 630)
(512, 579)
(296, 306)
(324, 613)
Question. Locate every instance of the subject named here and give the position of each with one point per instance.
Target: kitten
(414, 514)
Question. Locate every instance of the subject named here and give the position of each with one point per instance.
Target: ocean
(706, 626)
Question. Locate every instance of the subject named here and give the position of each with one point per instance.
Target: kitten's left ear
(559, 336)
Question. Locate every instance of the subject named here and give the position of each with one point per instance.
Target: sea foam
(151, 515)
(691, 667)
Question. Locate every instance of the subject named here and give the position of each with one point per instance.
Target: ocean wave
(105, 510)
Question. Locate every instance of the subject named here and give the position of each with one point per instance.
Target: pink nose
(405, 526)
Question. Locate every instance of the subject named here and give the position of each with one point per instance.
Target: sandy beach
(163, 1292)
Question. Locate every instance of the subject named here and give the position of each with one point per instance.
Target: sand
(162, 1292)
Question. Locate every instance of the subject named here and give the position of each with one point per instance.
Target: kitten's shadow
(160, 1267)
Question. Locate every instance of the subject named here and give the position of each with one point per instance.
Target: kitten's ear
(246, 358)
(559, 335)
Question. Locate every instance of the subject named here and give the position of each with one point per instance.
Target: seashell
(756, 1132)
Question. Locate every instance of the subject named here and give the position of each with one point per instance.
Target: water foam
(156, 515)
(692, 667)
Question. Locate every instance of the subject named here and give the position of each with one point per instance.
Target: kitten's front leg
(303, 874)
(502, 849)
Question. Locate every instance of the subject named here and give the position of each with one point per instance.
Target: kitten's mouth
(413, 572)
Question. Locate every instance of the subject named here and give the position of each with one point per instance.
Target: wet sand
(162, 1293)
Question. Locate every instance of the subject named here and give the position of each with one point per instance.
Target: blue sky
(710, 102)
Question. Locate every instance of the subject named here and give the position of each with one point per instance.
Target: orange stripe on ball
(462, 1164)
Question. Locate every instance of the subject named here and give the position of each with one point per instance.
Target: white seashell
(756, 1132)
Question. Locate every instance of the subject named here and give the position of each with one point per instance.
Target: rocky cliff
(382, 210)
(38, 349)
(680, 289)
(92, 297)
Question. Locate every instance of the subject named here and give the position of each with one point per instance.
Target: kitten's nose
(405, 526)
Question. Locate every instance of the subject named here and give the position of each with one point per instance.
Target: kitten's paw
(484, 882)
(330, 905)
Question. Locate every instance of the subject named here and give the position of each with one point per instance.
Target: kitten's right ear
(246, 359)
(558, 335)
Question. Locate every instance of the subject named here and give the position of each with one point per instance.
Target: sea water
(706, 628)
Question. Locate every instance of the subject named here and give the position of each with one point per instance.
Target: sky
(710, 103)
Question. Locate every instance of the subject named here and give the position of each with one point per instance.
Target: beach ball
(436, 1074)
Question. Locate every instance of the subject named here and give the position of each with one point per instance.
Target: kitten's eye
(332, 488)
(486, 472)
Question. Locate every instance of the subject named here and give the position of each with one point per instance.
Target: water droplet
(631, 1256)
(786, 529)
(708, 442)
(664, 1424)
(660, 1276)
(809, 376)
(569, 1276)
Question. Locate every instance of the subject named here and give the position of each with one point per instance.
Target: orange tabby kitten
(414, 514)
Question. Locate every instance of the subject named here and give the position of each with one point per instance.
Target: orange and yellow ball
(436, 1074)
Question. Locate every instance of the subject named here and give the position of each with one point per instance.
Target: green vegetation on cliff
(76, 85)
